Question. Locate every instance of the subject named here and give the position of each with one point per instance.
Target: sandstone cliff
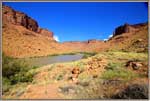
(22, 37)
(130, 37)
(127, 28)
(11, 16)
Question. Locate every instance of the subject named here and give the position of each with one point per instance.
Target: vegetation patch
(87, 54)
(116, 70)
(134, 91)
(15, 71)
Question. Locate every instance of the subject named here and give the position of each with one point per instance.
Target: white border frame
(74, 1)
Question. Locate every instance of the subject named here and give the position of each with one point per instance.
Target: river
(41, 61)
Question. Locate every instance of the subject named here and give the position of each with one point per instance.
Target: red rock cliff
(18, 18)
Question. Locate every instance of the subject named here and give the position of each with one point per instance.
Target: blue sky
(80, 21)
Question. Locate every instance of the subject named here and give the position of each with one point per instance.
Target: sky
(81, 21)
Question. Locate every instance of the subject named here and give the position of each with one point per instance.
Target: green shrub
(86, 54)
(16, 70)
(21, 77)
(84, 77)
(90, 90)
(116, 70)
(133, 91)
(123, 74)
(6, 84)
(113, 66)
(81, 66)
(60, 76)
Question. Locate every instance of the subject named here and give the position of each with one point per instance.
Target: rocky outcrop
(19, 18)
(45, 32)
(139, 25)
(126, 28)
(134, 64)
(19, 30)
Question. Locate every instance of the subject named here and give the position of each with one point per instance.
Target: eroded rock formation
(126, 28)
(22, 19)
(19, 18)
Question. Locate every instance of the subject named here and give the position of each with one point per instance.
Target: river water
(41, 61)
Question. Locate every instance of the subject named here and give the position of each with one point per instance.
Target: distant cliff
(22, 37)
(127, 28)
(22, 19)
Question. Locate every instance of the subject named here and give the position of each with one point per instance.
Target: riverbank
(97, 78)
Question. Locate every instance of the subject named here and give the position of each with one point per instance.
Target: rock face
(126, 28)
(45, 32)
(19, 18)
(19, 26)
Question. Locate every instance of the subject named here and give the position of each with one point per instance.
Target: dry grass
(98, 83)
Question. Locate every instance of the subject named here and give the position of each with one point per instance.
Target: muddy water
(41, 61)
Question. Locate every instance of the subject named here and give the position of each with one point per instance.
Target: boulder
(75, 70)
(75, 74)
(135, 65)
